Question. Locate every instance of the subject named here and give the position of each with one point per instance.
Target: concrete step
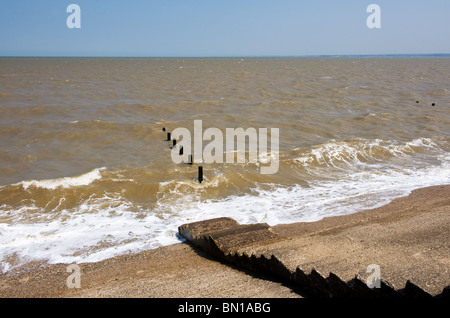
(225, 239)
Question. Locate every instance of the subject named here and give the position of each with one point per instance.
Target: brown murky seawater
(86, 172)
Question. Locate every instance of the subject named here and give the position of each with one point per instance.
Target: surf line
(235, 152)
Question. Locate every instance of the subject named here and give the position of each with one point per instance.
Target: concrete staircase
(228, 241)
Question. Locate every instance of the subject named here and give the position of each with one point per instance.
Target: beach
(408, 238)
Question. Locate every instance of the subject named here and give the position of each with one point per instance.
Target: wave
(65, 182)
(99, 228)
(342, 154)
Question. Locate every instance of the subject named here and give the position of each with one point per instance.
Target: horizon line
(236, 56)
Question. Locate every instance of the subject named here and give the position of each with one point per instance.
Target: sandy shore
(408, 238)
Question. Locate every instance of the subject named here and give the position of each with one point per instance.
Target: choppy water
(86, 173)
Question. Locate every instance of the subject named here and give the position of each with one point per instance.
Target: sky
(189, 28)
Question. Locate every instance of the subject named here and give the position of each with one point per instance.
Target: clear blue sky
(223, 28)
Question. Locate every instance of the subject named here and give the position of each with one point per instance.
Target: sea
(86, 169)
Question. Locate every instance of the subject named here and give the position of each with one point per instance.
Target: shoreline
(408, 237)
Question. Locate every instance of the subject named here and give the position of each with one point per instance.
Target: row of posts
(190, 160)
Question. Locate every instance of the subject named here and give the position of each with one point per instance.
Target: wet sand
(408, 238)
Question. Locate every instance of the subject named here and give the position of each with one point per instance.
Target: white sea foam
(333, 153)
(351, 193)
(65, 182)
(99, 228)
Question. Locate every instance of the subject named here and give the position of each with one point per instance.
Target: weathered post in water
(168, 136)
(200, 174)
